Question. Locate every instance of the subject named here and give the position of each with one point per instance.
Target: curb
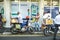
(19, 35)
(24, 34)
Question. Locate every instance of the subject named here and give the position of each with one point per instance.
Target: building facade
(9, 8)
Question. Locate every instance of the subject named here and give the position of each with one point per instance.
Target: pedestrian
(37, 24)
(47, 20)
(20, 19)
(57, 24)
(47, 15)
(37, 17)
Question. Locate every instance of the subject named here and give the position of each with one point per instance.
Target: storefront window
(14, 8)
(52, 6)
(55, 8)
(54, 11)
(22, 6)
(46, 9)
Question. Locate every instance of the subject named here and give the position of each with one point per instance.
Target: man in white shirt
(57, 24)
(47, 15)
(57, 19)
(20, 19)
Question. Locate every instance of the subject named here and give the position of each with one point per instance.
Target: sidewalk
(21, 34)
(24, 34)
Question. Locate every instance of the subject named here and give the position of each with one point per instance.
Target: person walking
(57, 24)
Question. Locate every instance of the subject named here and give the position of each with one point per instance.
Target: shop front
(10, 8)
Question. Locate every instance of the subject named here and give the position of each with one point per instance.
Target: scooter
(16, 28)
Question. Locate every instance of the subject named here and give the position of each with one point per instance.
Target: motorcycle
(49, 30)
(16, 28)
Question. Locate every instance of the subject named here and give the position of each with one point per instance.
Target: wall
(22, 8)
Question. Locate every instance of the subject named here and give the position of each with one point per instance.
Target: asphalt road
(29, 38)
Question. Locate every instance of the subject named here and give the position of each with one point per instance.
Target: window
(52, 6)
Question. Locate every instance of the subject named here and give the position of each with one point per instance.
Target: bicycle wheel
(14, 31)
(30, 30)
(46, 32)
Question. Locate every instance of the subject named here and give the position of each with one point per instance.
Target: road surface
(30, 37)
